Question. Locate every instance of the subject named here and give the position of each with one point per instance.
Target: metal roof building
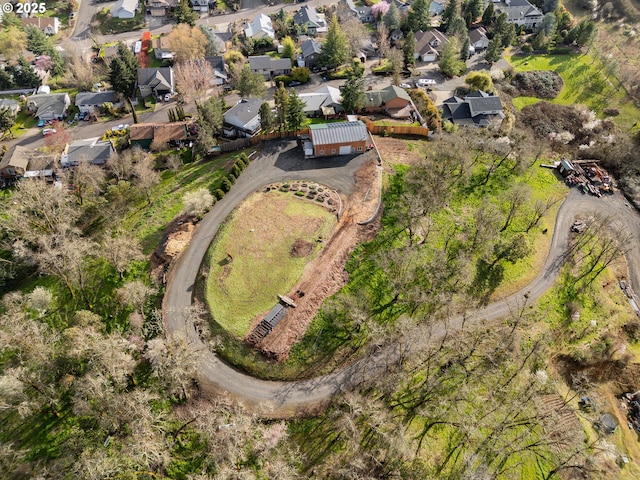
(340, 138)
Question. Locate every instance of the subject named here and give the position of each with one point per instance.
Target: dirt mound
(176, 238)
(301, 248)
(622, 375)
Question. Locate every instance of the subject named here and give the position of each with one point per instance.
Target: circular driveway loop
(282, 161)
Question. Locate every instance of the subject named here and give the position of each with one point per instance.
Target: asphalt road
(281, 161)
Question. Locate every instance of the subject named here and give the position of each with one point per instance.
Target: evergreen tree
(185, 14)
(267, 118)
(123, 71)
(37, 41)
(583, 33)
(281, 100)
(450, 62)
(251, 84)
(494, 51)
(458, 28)
(392, 18)
(295, 111)
(24, 75)
(353, 93)
(409, 49)
(333, 52)
(550, 6)
(464, 51)
(505, 30)
(450, 12)
(6, 82)
(540, 42)
(548, 24)
(209, 122)
(7, 120)
(474, 8)
(419, 16)
(487, 16)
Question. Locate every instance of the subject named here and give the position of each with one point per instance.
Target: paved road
(280, 162)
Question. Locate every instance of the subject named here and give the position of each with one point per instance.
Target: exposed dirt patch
(301, 248)
(560, 422)
(176, 238)
(397, 151)
(622, 375)
(325, 275)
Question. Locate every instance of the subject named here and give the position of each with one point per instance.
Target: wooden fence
(241, 143)
(397, 130)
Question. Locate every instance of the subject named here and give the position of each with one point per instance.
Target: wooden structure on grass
(268, 323)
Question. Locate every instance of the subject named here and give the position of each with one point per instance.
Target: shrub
(300, 74)
(284, 79)
(236, 170)
(219, 194)
(226, 184)
(198, 202)
(538, 83)
(299, 194)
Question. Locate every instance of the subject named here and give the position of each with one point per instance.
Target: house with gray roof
(429, 44)
(478, 38)
(49, 106)
(92, 150)
(12, 105)
(124, 9)
(310, 53)
(219, 69)
(340, 138)
(243, 119)
(309, 21)
(520, 12)
(270, 67)
(90, 101)
(347, 8)
(261, 27)
(479, 109)
(324, 102)
(436, 7)
(155, 81)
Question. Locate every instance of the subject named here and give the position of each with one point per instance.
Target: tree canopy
(123, 71)
(251, 84)
(334, 50)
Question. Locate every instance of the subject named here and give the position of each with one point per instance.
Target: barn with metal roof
(340, 138)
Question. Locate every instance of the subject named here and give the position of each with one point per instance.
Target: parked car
(49, 131)
(86, 116)
(295, 83)
(425, 82)
(405, 85)
(40, 123)
(167, 97)
(118, 128)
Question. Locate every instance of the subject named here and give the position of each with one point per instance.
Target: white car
(49, 131)
(405, 85)
(118, 128)
(425, 82)
(167, 97)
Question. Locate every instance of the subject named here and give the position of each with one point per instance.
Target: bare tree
(355, 33)
(121, 165)
(87, 179)
(146, 176)
(194, 79)
(383, 40)
(120, 250)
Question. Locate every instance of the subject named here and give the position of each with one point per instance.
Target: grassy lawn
(260, 237)
(24, 122)
(586, 82)
(150, 103)
(521, 102)
(148, 222)
(109, 24)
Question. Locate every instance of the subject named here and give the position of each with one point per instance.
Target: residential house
(160, 8)
(52, 106)
(219, 69)
(478, 38)
(25, 162)
(270, 67)
(340, 138)
(436, 7)
(429, 44)
(92, 150)
(403, 7)
(347, 8)
(396, 35)
(520, 12)
(171, 134)
(392, 100)
(49, 25)
(309, 21)
(124, 9)
(12, 105)
(161, 49)
(478, 109)
(261, 27)
(155, 81)
(324, 102)
(200, 5)
(310, 54)
(243, 119)
(91, 101)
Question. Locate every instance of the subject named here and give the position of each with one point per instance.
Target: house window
(359, 149)
(333, 150)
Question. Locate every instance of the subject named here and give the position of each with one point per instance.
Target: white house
(261, 27)
(124, 9)
(520, 12)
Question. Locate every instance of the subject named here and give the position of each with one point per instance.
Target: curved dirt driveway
(279, 162)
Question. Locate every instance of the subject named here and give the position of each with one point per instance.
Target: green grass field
(586, 82)
(260, 236)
